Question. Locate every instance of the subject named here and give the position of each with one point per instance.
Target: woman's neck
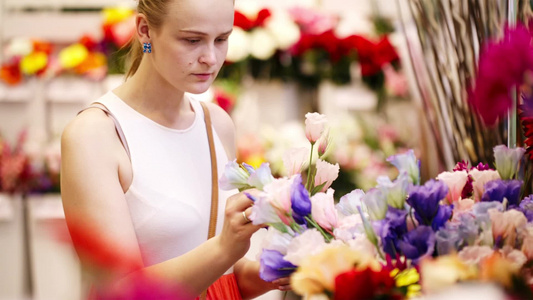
(156, 99)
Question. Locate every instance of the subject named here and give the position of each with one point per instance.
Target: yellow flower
(116, 14)
(255, 160)
(410, 279)
(317, 272)
(73, 55)
(443, 272)
(33, 63)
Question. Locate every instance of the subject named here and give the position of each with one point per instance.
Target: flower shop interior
(428, 185)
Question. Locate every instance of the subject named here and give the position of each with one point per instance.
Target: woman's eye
(193, 41)
(222, 39)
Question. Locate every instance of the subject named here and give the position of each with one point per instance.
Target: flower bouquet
(399, 239)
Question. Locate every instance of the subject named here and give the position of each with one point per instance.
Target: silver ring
(245, 217)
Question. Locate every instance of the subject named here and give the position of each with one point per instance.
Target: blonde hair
(155, 12)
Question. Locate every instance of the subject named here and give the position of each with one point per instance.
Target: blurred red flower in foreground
(106, 260)
(502, 66)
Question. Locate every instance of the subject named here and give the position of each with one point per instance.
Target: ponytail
(134, 56)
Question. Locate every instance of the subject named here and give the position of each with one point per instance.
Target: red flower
(501, 66)
(10, 73)
(89, 42)
(365, 284)
(224, 100)
(242, 21)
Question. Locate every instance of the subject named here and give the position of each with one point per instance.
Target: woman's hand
(238, 229)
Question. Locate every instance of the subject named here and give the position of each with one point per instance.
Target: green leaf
(317, 188)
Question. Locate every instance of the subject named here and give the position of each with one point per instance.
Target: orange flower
(10, 73)
(497, 268)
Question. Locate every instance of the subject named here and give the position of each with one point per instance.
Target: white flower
(238, 45)
(19, 47)
(283, 29)
(308, 243)
(262, 44)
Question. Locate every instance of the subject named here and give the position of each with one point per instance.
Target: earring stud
(147, 47)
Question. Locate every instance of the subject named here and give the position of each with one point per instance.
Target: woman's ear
(142, 28)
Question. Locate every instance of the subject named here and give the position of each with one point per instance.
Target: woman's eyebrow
(202, 33)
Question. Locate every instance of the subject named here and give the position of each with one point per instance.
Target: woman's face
(191, 45)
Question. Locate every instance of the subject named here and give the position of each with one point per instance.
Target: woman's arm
(93, 185)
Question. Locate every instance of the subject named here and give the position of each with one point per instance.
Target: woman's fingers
(283, 284)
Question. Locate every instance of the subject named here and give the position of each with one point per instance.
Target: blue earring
(147, 47)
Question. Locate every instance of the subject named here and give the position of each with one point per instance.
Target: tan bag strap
(214, 180)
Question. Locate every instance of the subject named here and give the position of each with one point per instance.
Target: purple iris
(300, 202)
(425, 201)
(273, 266)
(496, 190)
(391, 229)
(526, 207)
(417, 243)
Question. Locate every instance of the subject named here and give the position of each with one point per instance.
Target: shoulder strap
(214, 173)
(118, 128)
(214, 180)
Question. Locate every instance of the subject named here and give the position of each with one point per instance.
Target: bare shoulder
(90, 135)
(224, 127)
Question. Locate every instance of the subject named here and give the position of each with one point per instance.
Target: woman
(148, 188)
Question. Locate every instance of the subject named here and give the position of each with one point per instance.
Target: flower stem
(309, 168)
(326, 236)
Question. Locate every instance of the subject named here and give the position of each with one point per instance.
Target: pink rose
(506, 224)
(325, 172)
(479, 180)
(456, 182)
(294, 160)
(315, 124)
(323, 209)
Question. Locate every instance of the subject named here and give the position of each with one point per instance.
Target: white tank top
(170, 196)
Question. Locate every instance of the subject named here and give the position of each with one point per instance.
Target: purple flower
(273, 266)
(300, 202)
(526, 207)
(481, 211)
(425, 201)
(418, 243)
(376, 204)
(391, 229)
(407, 162)
(496, 190)
(448, 241)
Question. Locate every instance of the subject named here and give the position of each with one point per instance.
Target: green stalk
(309, 168)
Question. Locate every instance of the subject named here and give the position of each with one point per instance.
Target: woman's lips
(203, 76)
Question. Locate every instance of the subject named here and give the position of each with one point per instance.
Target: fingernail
(250, 196)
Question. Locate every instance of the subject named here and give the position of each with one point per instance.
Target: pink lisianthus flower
(326, 173)
(315, 124)
(506, 224)
(323, 209)
(294, 159)
(456, 182)
(278, 193)
(462, 206)
(479, 178)
(527, 243)
(308, 243)
(473, 255)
